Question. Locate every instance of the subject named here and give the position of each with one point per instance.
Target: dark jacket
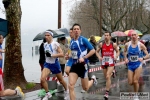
(42, 54)
(93, 58)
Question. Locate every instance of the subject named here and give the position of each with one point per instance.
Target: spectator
(122, 46)
(93, 59)
(62, 60)
(114, 41)
(42, 54)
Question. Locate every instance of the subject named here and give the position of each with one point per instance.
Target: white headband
(49, 32)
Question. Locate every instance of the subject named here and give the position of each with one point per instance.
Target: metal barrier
(52, 82)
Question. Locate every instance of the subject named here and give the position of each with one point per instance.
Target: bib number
(74, 54)
(106, 58)
(133, 58)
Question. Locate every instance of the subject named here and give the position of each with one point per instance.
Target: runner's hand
(140, 59)
(48, 54)
(67, 56)
(100, 58)
(115, 59)
(126, 60)
(81, 60)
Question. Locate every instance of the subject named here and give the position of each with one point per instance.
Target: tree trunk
(13, 68)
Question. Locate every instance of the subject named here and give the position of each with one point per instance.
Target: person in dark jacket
(93, 59)
(42, 54)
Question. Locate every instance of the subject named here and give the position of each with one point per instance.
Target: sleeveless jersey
(52, 48)
(134, 54)
(79, 48)
(107, 54)
(1, 61)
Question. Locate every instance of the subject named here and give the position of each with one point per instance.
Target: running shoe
(106, 96)
(19, 92)
(66, 97)
(95, 80)
(47, 96)
(83, 91)
(135, 98)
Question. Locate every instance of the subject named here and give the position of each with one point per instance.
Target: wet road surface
(119, 84)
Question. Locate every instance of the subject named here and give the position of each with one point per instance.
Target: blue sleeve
(88, 44)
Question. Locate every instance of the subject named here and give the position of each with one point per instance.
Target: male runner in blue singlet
(134, 60)
(79, 55)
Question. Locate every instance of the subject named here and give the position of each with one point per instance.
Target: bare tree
(117, 15)
(13, 68)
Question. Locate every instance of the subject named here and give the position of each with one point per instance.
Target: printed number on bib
(133, 58)
(74, 54)
(106, 58)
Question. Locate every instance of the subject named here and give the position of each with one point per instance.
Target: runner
(69, 62)
(7, 92)
(79, 46)
(121, 45)
(52, 52)
(134, 61)
(108, 59)
(10, 92)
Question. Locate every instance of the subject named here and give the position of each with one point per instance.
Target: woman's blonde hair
(92, 37)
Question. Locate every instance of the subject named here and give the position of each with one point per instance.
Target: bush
(30, 85)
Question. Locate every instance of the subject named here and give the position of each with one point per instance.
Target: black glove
(47, 53)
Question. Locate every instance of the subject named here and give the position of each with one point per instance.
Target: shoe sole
(21, 92)
(105, 98)
(19, 88)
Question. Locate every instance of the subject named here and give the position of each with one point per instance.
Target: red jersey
(107, 50)
(107, 54)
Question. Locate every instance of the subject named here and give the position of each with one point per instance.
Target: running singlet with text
(52, 49)
(1, 61)
(107, 54)
(79, 48)
(134, 53)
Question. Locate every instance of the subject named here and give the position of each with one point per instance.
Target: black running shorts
(80, 69)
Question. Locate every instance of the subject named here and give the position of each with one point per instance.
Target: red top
(107, 50)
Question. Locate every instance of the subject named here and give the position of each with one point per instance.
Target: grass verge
(30, 85)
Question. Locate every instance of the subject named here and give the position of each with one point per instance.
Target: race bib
(134, 58)
(106, 58)
(74, 54)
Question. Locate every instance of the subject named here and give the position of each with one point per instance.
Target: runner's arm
(2, 50)
(89, 54)
(90, 47)
(145, 51)
(0, 57)
(59, 50)
(98, 50)
(125, 50)
(116, 49)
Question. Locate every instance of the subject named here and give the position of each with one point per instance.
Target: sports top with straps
(52, 48)
(79, 48)
(1, 61)
(107, 52)
(134, 53)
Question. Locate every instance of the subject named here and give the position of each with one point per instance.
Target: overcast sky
(40, 15)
